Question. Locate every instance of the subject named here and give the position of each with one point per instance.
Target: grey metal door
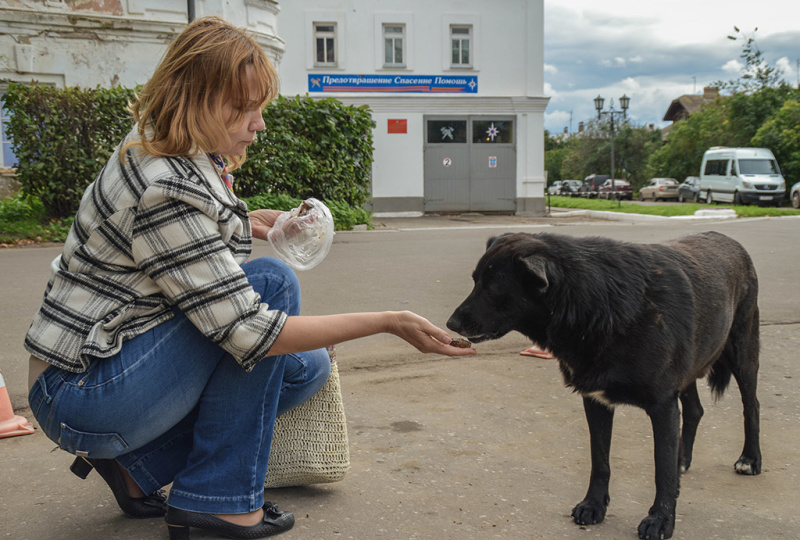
(470, 163)
(446, 164)
(493, 164)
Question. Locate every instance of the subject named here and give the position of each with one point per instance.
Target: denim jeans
(173, 407)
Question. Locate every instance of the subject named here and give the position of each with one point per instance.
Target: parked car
(689, 190)
(794, 194)
(659, 188)
(591, 185)
(622, 189)
(570, 188)
(554, 188)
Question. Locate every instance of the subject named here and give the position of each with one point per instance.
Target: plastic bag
(302, 237)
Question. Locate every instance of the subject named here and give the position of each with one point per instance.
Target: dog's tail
(719, 379)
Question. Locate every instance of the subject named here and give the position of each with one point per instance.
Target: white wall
(74, 43)
(397, 170)
(509, 63)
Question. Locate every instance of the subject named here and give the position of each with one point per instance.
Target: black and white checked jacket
(152, 233)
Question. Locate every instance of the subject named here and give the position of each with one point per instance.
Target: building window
(493, 131)
(325, 41)
(461, 45)
(7, 158)
(394, 45)
(447, 131)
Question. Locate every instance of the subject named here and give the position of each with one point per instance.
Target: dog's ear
(490, 242)
(535, 269)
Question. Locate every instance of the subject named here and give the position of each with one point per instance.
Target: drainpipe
(190, 9)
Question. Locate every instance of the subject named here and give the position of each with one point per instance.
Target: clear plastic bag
(302, 237)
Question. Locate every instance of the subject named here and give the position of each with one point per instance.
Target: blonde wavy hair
(179, 110)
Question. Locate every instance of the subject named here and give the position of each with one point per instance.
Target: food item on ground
(460, 343)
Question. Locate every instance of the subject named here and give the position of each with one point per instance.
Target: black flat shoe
(274, 522)
(151, 506)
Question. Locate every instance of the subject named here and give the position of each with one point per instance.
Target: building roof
(682, 107)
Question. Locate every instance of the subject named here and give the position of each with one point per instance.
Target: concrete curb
(700, 215)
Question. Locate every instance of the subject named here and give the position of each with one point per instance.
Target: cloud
(733, 67)
(548, 68)
(652, 56)
(786, 66)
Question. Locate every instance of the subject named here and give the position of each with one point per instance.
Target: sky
(654, 52)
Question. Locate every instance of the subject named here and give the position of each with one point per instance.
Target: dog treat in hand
(460, 343)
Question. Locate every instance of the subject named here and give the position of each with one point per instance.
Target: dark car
(591, 185)
(570, 188)
(689, 190)
(622, 189)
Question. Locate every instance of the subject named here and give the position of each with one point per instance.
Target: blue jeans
(173, 407)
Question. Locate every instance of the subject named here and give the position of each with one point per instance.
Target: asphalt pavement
(491, 446)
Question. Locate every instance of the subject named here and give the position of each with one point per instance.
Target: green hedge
(311, 148)
(63, 138)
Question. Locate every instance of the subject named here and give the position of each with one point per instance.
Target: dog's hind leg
(692, 413)
(660, 521)
(744, 366)
(601, 421)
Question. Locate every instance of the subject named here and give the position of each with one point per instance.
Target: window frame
(450, 20)
(394, 38)
(5, 141)
(393, 18)
(325, 35)
(458, 37)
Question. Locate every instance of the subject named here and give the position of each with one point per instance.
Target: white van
(741, 176)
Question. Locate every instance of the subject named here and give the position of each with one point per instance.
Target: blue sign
(433, 84)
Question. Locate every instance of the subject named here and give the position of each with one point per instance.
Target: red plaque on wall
(397, 125)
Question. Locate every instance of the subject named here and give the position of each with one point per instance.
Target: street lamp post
(624, 101)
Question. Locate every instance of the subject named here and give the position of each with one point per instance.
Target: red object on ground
(537, 352)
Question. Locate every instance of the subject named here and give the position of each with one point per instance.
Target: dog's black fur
(633, 324)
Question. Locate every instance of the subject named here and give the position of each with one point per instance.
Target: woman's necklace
(219, 163)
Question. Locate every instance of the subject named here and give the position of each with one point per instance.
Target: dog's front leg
(601, 421)
(666, 424)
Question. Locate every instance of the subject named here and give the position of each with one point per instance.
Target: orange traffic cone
(10, 425)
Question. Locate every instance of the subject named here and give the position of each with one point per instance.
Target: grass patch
(23, 221)
(667, 210)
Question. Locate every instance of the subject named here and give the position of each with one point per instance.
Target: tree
(781, 134)
(590, 152)
(634, 145)
(757, 73)
(689, 139)
(747, 112)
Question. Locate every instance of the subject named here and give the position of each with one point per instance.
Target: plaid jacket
(152, 233)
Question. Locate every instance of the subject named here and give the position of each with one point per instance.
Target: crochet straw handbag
(309, 444)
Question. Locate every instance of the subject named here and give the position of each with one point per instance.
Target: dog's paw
(748, 466)
(589, 512)
(656, 527)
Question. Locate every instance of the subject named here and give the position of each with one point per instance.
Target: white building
(456, 90)
(455, 86)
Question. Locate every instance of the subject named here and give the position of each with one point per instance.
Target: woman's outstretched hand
(423, 335)
(261, 221)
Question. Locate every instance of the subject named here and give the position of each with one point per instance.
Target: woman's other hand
(261, 221)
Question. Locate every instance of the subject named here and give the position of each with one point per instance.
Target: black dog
(633, 324)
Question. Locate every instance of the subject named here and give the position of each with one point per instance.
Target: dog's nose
(454, 323)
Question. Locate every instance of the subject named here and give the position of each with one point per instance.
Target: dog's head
(510, 281)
